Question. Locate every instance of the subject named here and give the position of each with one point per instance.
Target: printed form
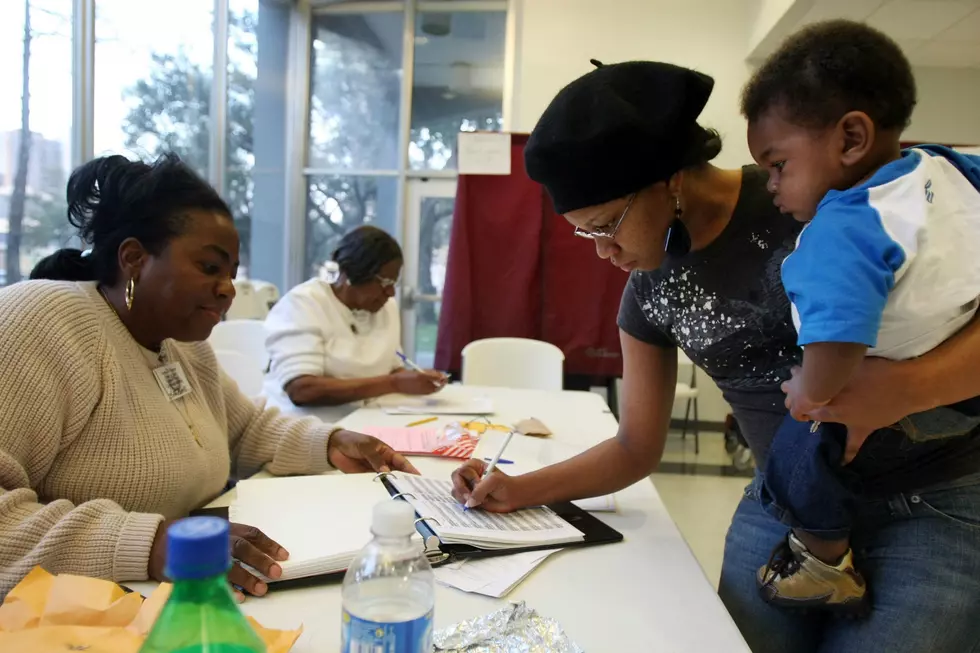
(433, 500)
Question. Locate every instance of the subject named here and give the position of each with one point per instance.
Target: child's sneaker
(795, 578)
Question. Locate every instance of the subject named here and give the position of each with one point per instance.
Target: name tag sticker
(172, 381)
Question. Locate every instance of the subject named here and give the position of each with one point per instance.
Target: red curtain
(515, 269)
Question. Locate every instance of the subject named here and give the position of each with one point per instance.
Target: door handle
(411, 296)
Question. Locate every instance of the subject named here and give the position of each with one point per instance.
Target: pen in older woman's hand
(407, 362)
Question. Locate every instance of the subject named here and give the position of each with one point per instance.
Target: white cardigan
(310, 332)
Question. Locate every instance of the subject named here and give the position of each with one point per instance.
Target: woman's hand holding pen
(498, 492)
(411, 382)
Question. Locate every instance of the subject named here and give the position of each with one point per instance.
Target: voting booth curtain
(515, 269)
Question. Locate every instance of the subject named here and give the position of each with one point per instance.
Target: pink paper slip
(423, 442)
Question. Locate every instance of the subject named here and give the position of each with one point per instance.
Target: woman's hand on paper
(496, 493)
(353, 453)
(411, 382)
(249, 546)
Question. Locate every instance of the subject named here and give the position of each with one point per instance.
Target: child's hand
(797, 403)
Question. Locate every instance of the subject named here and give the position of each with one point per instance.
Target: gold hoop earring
(130, 291)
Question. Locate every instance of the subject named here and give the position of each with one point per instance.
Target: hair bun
(96, 188)
(66, 265)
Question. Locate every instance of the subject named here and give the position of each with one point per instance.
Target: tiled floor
(701, 503)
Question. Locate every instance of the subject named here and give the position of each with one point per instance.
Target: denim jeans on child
(804, 484)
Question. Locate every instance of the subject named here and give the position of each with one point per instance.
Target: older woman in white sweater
(115, 414)
(333, 341)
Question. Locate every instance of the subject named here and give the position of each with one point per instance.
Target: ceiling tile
(918, 19)
(911, 46)
(967, 29)
(849, 9)
(947, 54)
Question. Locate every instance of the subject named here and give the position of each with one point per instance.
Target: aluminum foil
(515, 629)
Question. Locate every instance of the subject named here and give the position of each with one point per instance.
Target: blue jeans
(919, 551)
(804, 484)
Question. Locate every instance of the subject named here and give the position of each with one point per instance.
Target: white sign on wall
(483, 153)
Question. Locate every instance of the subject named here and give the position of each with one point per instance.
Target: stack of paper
(322, 521)
(494, 577)
(433, 501)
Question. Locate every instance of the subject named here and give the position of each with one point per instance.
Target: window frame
(297, 170)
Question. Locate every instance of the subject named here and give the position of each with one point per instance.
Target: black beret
(615, 131)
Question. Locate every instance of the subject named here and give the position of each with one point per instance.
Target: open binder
(441, 549)
(323, 521)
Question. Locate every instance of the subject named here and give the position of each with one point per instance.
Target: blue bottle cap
(197, 547)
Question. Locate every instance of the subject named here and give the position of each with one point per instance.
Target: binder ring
(427, 519)
(381, 475)
(403, 494)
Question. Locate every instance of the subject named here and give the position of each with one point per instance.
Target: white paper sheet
(448, 401)
(483, 153)
(323, 521)
(432, 498)
(605, 503)
(495, 576)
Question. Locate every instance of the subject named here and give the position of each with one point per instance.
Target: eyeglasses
(607, 231)
(385, 281)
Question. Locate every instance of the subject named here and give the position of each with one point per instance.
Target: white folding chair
(689, 391)
(246, 337)
(245, 306)
(513, 363)
(266, 295)
(242, 370)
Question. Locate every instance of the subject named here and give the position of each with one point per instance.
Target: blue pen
(502, 461)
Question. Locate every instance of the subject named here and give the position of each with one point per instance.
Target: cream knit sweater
(92, 454)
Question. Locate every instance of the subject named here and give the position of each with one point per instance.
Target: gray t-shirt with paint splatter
(725, 306)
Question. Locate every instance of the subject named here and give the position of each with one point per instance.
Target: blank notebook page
(323, 521)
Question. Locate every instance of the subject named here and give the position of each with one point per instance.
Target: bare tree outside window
(32, 167)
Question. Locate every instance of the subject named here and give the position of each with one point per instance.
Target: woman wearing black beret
(626, 163)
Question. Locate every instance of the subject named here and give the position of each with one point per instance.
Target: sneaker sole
(853, 609)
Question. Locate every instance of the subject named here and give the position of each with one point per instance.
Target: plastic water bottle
(200, 616)
(389, 591)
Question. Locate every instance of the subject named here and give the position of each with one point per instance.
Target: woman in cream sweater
(116, 417)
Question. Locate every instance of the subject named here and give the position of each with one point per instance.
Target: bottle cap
(393, 519)
(198, 547)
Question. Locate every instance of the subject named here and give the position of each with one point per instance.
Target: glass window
(356, 79)
(458, 82)
(153, 76)
(35, 132)
(239, 147)
(337, 204)
(436, 220)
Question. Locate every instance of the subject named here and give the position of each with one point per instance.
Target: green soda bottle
(200, 616)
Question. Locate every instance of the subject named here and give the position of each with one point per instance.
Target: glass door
(429, 219)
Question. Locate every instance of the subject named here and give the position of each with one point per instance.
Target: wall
(556, 39)
(947, 111)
